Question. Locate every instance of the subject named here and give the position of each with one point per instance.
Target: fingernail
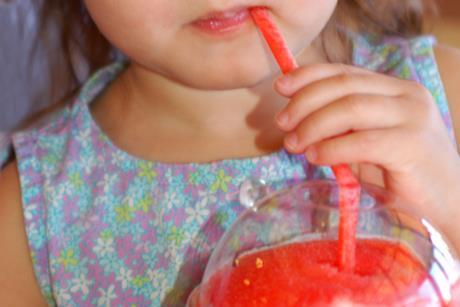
(284, 81)
(311, 153)
(292, 141)
(282, 118)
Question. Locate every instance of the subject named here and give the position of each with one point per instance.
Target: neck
(159, 98)
(142, 107)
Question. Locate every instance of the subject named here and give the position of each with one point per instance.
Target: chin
(225, 84)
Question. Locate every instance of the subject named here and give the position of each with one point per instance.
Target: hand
(342, 114)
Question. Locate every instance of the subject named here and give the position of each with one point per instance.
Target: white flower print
(106, 296)
(117, 158)
(169, 175)
(84, 137)
(171, 251)
(129, 200)
(107, 182)
(32, 230)
(171, 199)
(88, 163)
(124, 277)
(200, 242)
(104, 246)
(53, 193)
(159, 283)
(101, 200)
(143, 247)
(49, 169)
(62, 297)
(198, 213)
(207, 198)
(158, 220)
(67, 188)
(28, 211)
(269, 172)
(81, 284)
(177, 262)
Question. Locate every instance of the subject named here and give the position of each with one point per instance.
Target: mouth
(222, 22)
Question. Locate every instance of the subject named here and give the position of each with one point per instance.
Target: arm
(448, 60)
(18, 286)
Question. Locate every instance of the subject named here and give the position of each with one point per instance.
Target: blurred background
(447, 25)
(22, 82)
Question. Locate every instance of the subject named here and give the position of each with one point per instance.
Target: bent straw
(349, 188)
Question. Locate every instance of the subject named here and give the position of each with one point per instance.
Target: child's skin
(194, 96)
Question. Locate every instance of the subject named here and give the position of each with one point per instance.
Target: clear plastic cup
(281, 252)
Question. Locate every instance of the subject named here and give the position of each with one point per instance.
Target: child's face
(162, 36)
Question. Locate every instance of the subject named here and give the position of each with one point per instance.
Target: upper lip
(224, 14)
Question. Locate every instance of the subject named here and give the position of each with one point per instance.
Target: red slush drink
(306, 274)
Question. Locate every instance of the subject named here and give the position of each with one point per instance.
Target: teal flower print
(195, 178)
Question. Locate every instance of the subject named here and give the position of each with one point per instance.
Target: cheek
(126, 23)
(307, 16)
(304, 20)
(308, 12)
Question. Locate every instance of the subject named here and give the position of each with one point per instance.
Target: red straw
(349, 188)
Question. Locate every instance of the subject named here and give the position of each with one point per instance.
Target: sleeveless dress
(108, 229)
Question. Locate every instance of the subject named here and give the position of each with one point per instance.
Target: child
(119, 197)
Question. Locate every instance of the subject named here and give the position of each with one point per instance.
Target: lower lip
(223, 25)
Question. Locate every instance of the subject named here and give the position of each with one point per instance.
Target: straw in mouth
(349, 188)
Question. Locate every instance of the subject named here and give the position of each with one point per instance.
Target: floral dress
(106, 228)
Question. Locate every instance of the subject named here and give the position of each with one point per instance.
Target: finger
(351, 113)
(290, 83)
(320, 93)
(370, 146)
(370, 173)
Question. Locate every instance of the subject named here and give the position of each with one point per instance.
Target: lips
(222, 22)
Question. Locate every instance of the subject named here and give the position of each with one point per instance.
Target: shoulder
(448, 60)
(70, 114)
(18, 286)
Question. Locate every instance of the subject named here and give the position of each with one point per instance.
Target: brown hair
(79, 35)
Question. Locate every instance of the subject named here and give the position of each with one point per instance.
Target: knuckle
(346, 69)
(422, 102)
(301, 71)
(354, 105)
(294, 107)
(307, 131)
(425, 112)
(420, 91)
(308, 69)
(345, 79)
(420, 88)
